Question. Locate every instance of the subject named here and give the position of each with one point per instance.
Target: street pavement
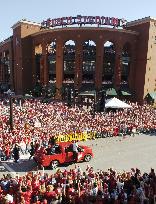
(116, 152)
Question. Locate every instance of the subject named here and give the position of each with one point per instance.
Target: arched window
(108, 63)
(38, 55)
(52, 61)
(69, 61)
(125, 63)
(89, 61)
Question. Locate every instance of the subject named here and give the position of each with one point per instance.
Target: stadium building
(83, 51)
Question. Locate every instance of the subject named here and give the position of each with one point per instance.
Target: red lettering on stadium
(83, 20)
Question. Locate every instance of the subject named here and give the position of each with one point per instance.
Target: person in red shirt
(1, 194)
(116, 131)
(35, 183)
(50, 194)
(7, 152)
(26, 195)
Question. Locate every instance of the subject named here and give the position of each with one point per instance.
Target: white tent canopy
(116, 103)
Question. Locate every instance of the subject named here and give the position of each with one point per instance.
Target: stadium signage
(84, 20)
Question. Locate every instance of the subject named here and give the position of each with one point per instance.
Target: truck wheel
(87, 157)
(54, 164)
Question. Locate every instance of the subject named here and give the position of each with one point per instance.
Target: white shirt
(120, 186)
(9, 198)
(94, 191)
(75, 146)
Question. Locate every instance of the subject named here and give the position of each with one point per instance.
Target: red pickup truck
(62, 153)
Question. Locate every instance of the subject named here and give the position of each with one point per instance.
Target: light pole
(11, 113)
(11, 97)
(95, 103)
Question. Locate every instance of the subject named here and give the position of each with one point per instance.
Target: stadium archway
(125, 63)
(108, 63)
(38, 63)
(69, 62)
(52, 61)
(89, 61)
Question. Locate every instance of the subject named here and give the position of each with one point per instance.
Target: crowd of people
(38, 122)
(75, 186)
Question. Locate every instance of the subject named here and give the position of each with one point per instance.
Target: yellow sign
(82, 136)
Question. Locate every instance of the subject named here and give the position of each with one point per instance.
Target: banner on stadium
(84, 20)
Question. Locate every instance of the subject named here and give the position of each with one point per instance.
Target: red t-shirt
(50, 195)
(27, 196)
(1, 193)
(35, 184)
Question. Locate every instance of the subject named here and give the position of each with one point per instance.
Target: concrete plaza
(118, 153)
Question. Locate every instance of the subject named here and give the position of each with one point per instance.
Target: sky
(11, 11)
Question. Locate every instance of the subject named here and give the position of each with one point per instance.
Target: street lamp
(11, 113)
(102, 100)
(11, 97)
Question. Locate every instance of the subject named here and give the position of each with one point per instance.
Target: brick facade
(28, 39)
